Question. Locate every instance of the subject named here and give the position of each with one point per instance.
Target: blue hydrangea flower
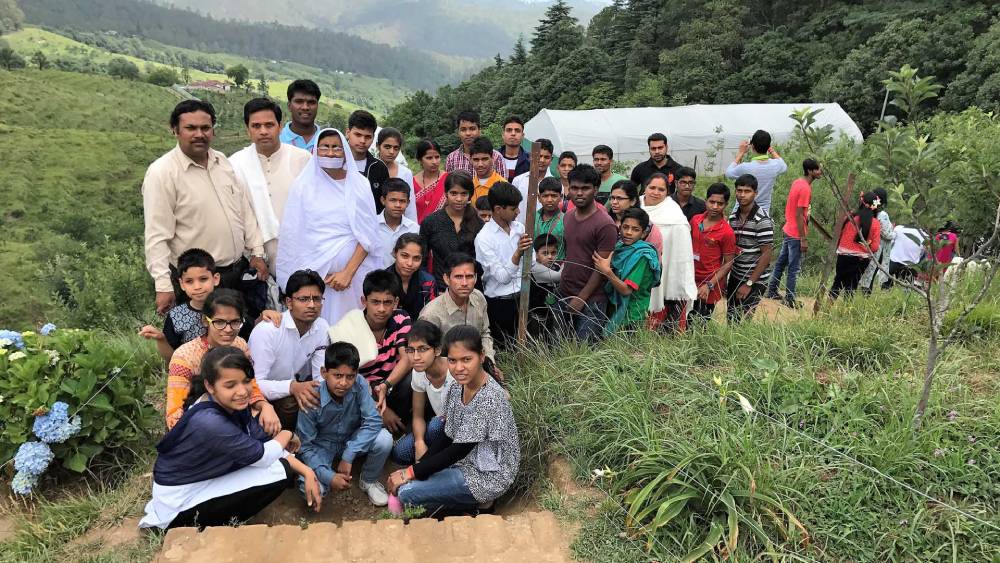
(33, 457)
(10, 338)
(23, 483)
(55, 426)
(47, 329)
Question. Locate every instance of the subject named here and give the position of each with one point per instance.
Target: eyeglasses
(619, 198)
(420, 350)
(685, 182)
(221, 324)
(309, 298)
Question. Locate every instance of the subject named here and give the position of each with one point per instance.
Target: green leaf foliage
(101, 377)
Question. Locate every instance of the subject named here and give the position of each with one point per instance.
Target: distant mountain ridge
(318, 47)
(466, 28)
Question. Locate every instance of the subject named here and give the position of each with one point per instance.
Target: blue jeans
(791, 257)
(588, 324)
(405, 452)
(445, 489)
(375, 459)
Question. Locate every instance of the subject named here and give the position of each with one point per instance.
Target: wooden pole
(838, 226)
(529, 227)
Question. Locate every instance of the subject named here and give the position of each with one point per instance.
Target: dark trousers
(502, 312)
(701, 312)
(900, 271)
(848, 275)
(287, 409)
(236, 507)
(737, 310)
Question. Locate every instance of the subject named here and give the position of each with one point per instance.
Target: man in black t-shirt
(659, 161)
(361, 127)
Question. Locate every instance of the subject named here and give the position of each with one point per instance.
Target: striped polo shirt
(396, 330)
(756, 232)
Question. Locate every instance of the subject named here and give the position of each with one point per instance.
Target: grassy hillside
(349, 91)
(75, 149)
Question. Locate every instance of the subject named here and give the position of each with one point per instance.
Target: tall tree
(519, 56)
(239, 74)
(40, 60)
(558, 33)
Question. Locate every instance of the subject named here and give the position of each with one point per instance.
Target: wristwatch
(710, 285)
(749, 283)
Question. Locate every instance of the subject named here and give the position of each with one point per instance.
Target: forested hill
(319, 48)
(672, 52)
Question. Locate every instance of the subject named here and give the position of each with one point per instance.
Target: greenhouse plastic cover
(692, 131)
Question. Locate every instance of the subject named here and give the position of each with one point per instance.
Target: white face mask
(330, 162)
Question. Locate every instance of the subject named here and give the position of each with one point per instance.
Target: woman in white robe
(329, 226)
(670, 300)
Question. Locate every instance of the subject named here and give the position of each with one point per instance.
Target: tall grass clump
(780, 440)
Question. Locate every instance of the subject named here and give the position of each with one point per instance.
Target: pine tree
(520, 54)
(498, 61)
(558, 34)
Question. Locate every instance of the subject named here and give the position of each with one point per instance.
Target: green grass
(346, 91)
(644, 405)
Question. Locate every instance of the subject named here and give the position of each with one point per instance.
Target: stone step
(529, 536)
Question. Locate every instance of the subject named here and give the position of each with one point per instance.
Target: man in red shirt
(796, 228)
(714, 244)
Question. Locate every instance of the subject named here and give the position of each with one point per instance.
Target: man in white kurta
(268, 167)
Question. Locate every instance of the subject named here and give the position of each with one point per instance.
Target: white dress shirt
(521, 183)
(280, 354)
(494, 248)
(385, 239)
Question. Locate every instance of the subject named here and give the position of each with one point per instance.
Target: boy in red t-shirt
(714, 244)
(795, 230)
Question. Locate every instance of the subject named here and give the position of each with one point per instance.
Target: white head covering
(314, 244)
(677, 274)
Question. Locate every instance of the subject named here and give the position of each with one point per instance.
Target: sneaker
(773, 295)
(376, 492)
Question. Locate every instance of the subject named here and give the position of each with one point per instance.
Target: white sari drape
(677, 258)
(324, 221)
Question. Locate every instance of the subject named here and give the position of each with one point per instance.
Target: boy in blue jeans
(346, 425)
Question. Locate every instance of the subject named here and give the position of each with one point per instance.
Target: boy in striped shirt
(754, 239)
(389, 373)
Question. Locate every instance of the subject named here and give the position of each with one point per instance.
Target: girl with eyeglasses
(224, 310)
(430, 381)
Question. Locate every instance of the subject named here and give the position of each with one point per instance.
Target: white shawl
(677, 281)
(246, 163)
(307, 241)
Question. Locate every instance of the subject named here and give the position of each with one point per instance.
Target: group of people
(325, 304)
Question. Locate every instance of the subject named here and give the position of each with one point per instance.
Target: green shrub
(101, 377)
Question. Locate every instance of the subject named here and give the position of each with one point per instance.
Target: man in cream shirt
(191, 198)
(267, 167)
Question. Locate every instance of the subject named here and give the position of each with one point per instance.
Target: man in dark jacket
(659, 161)
(361, 127)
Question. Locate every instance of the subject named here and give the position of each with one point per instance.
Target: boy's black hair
(303, 278)
(190, 106)
(382, 281)
(457, 259)
(342, 354)
(570, 155)
(261, 104)
(545, 145)
(504, 194)
(195, 258)
(481, 145)
(718, 188)
(222, 297)
(605, 150)
(549, 184)
(467, 115)
(361, 119)
(395, 185)
(638, 214)
(585, 173)
(761, 141)
(545, 239)
(685, 172)
(305, 86)
(514, 119)
(809, 165)
(748, 180)
(483, 203)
